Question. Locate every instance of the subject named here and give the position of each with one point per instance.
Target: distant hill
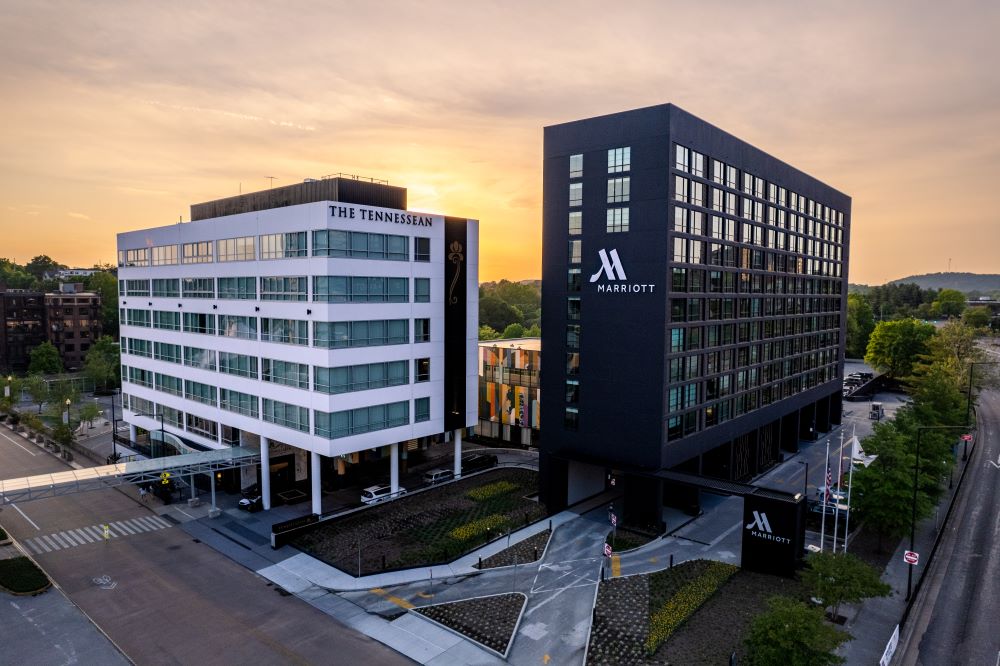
(965, 282)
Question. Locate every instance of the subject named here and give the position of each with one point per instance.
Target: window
(238, 288)
(198, 288)
(373, 333)
(573, 280)
(169, 384)
(197, 253)
(234, 326)
(619, 159)
(196, 322)
(421, 290)
(572, 391)
(618, 190)
(617, 220)
(199, 358)
(136, 318)
(163, 351)
(572, 363)
(362, 419)
(421, 370)
(576, 194)
(284, 289)
(421, 249)
(140, 377)
(421, 410)
(200, 426)
(681, 188)
(575, 166)
(289, 416)
(358, 289)
(575, 252)
(572, 419)
(280, 246)
(138, 257)
(360, 245)
(347, 379)
(573, 309)
(140, 347)
(681, 158)
(240, 403)
(285, 372)
(573, 336)
(164, 255)
(421, 330)
(137, 287)
(199, 392)
(575, 222)
(288, 331)
(166, 288)
(697, 164)
(236, 249)
(238, 364)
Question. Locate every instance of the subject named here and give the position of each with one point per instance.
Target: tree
(895, 345)
(63, 434)
(15, 386)
(497, 314)
(792, 634)
(977, 317)
(38, 389)
(45, 359)
(102, 364)
(860, 324)
(513, 331)
(88, 412)
(487, 333)
(14, 276)
(838, 578)
(534, 332)
(41, 265)
(949, 303)
(106, 284)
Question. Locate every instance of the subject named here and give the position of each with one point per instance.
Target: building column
(314, 477)
(132, 434)
(394, 468)
(457, 435)
(265, 472)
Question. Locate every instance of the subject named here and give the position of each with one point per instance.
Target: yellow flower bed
(682, 605)
(478, 527)
(490, 490)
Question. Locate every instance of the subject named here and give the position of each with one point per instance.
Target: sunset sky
(119, 115)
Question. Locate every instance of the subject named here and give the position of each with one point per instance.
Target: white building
(323, 327)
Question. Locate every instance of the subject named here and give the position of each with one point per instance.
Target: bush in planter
(63, 434)
(3, 535)
(20, 575)
(14, 418)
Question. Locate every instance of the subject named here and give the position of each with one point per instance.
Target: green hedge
(19, 574)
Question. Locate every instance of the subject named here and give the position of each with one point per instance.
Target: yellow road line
(402, 603)
(616, 566)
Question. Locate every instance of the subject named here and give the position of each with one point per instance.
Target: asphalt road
(957, 620)
(162, 597)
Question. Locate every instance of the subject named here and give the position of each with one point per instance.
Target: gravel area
(431, 527)
(621, 622)
(489, 621)
(522, 552)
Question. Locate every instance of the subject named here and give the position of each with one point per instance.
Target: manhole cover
(104, 582)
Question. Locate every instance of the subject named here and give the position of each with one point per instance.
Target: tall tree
(860, 324)
(103, 363)
(949, 303)
(38, 389)
(977, 317)
(839, 578)
(41, 265)
(894, 346)
(106, 284)
(45, 359)
(792, 634)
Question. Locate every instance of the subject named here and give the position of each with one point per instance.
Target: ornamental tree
(792, 634)
(838, 578)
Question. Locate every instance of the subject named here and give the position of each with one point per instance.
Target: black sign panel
(456, 254)
(773, 534)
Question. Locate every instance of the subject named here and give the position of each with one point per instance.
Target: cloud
(79, 216)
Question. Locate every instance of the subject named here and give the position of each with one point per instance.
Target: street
(955, 620)
(161, 596)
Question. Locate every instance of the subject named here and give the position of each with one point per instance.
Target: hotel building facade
(694, 304)
(315, 321)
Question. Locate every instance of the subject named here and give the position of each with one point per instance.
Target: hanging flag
(829, 481)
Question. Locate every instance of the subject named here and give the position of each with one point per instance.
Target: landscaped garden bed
(431, 527)
(522, 552)
(20, 576)
(489, 621)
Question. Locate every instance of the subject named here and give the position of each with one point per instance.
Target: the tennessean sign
(616, 281)
(391, 216)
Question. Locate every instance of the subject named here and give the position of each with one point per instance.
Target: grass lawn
(19, 574)
(431, 527)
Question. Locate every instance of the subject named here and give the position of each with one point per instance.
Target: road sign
(911, 557)
(607, 550)
(966, 438)
(165, 478)
(614, 520)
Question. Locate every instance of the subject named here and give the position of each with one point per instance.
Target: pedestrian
(142, 494)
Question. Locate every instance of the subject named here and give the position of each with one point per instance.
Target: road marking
(58, 541)
(25, 516)
(94, 532)
(51, 542)
(72, 542)
(145, 523)
(616, 566)
(722, 536)
(18, 445)
(81, 535)
(997, 465)
(121, 527)
(86, 535)
(402, 603)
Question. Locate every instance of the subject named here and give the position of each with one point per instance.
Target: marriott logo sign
(760, 528)
(615, 280)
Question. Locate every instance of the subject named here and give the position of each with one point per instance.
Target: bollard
(550, 524)
(536, 552)
(671, 560)
(480, 561)
(525, 517)
(602, 572)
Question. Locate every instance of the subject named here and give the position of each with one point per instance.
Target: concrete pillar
(314, 477)
(265, 472)
(458, 453)
(194, 490)
(394, 468)
(212, 477)
(132, 433)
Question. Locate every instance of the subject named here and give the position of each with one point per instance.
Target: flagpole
(836, 502)
(850, 484)
(826, 493)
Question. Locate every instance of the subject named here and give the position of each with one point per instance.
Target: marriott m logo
(759, 523)
(611, 266)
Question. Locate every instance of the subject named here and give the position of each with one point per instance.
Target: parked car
(376, 494)
(251, 504)
(439, 475)
(474, 462)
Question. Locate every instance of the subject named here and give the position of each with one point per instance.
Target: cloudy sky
(118, 115)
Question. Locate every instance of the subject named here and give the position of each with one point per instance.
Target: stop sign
(966, 438)
(911, 557)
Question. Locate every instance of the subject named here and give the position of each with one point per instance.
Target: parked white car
(376, 494)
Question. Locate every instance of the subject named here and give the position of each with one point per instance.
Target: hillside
(965, 282)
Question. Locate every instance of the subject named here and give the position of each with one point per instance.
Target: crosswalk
(94, 534)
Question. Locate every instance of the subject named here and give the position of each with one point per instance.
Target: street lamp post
(114, 425)
(968, 403)
(913, 512)
(805, 486)
(66, 413)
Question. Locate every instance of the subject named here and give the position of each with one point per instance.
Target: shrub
(19, 574)
(491, 490)
(3, 535)
(494, 523)
(681, 606)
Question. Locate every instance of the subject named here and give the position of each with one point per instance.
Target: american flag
(829, 481)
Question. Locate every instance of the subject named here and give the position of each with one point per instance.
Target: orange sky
(118, 115)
